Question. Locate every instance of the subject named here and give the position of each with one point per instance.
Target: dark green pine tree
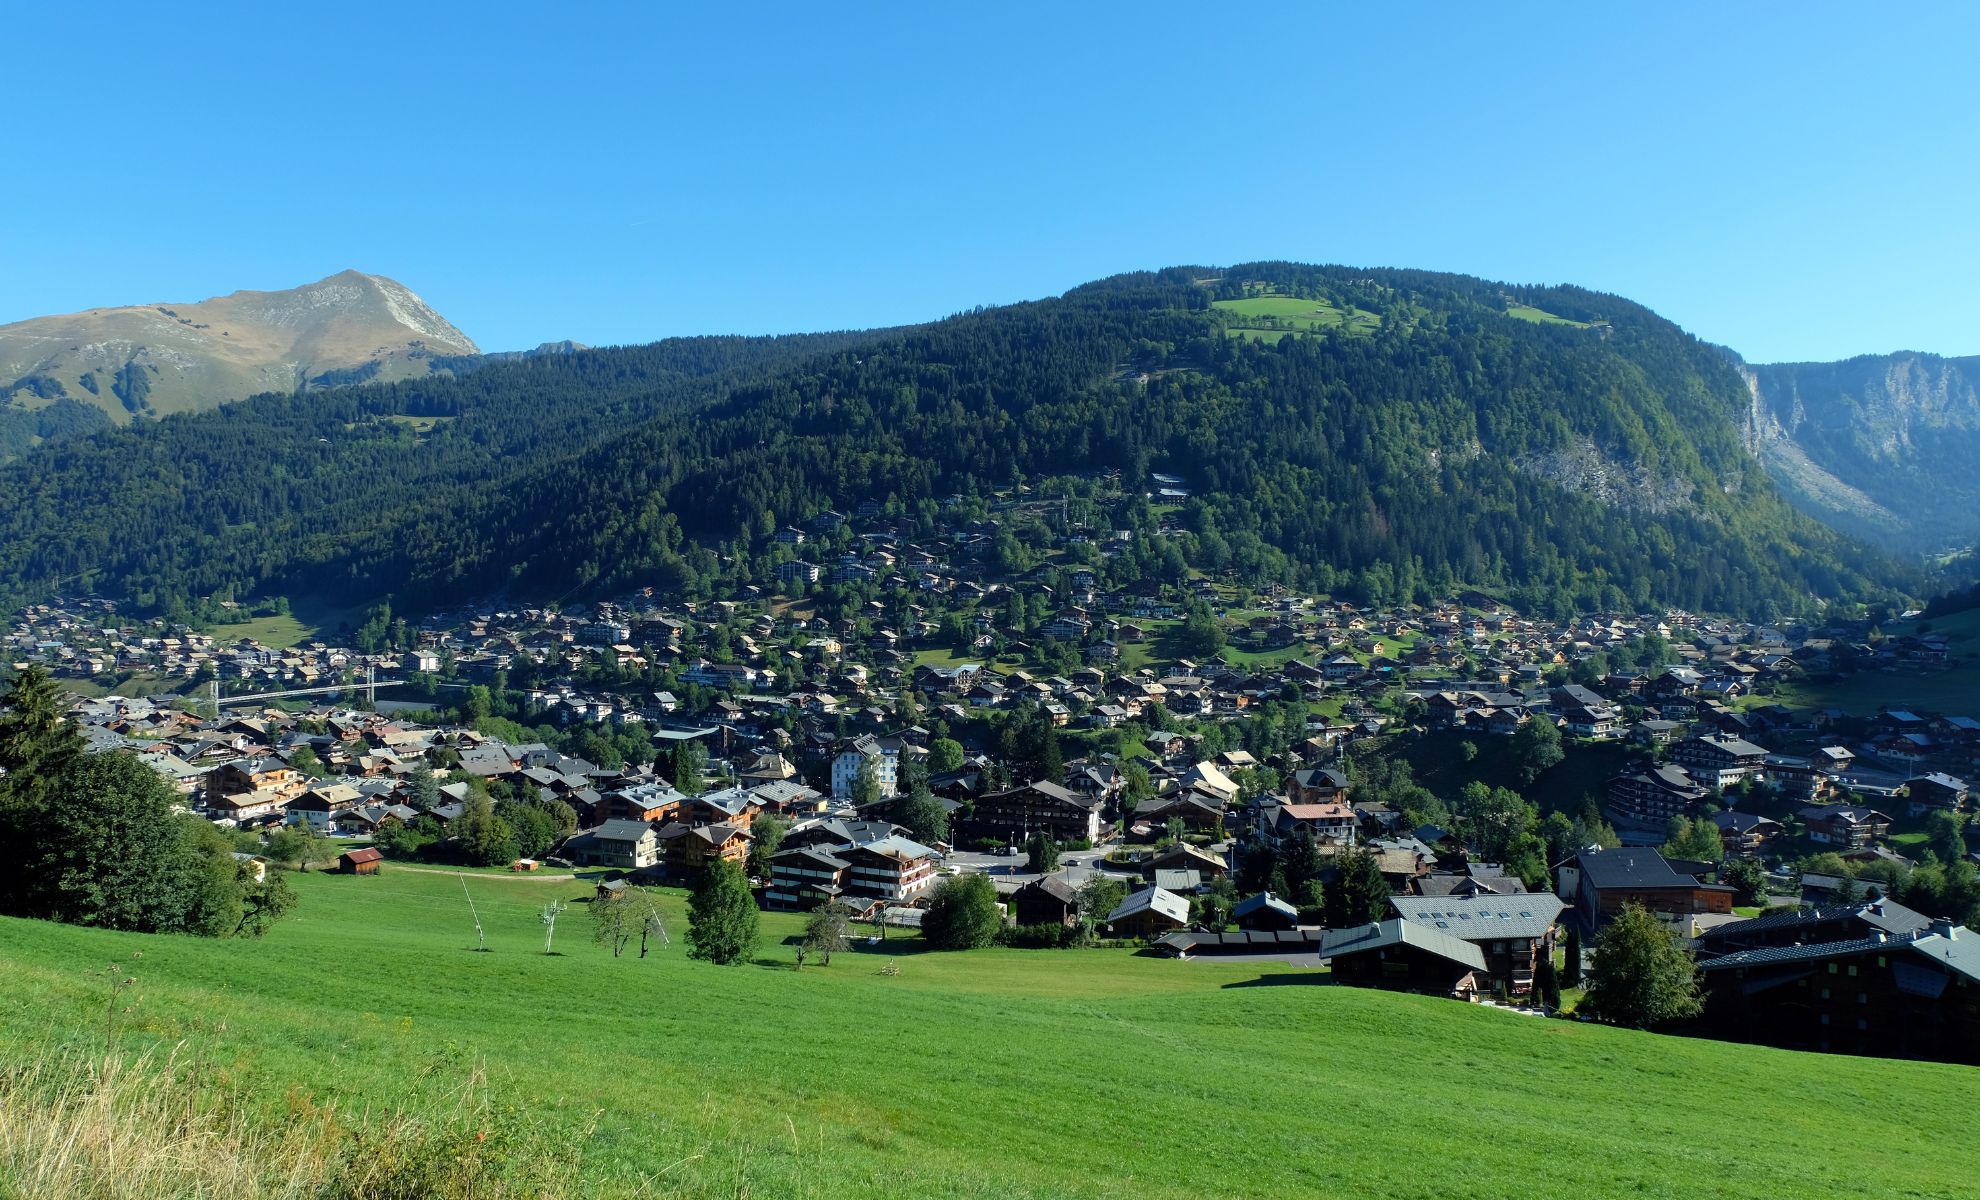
(38, 744)
(1547, 982)
(1360, 895)
(722, 916)
(1571, 970)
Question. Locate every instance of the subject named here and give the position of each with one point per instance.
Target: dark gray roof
(620, 830)
(1887, 915)
(1398, 932)
(1959, 952)
(1056, 886)
(1628, 867)
(1246, 907)
(1483, 918)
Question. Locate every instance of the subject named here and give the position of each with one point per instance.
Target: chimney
(1945, 929)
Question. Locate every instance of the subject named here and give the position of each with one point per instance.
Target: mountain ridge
(1445, 437)
(74, 372)
(1882, 446)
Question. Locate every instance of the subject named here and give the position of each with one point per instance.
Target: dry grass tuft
(152, 1127)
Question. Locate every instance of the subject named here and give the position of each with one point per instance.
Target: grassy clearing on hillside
(1272, 317)
(1020, 1074)
(1540, 316)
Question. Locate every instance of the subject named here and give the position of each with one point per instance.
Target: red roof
(365, 855)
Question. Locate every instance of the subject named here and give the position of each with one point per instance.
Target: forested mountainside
(70, 374)
(1884, 446)
(1386, 433)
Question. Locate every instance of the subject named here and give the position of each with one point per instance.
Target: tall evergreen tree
(422, 788)
(1359, 894)
(690, 763)
(722, 915)
(38, 744)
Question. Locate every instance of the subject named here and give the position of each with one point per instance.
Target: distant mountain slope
(66, 374)
(1441, 434)
(1883, 446)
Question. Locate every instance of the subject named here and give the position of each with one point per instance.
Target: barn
(360, 862)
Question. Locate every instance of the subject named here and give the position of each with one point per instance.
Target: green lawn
(1009, 1073)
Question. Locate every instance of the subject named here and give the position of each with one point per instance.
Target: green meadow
(1008, 1073)
(1540, 316)
(1272, 317)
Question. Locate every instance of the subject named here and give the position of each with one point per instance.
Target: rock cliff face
(105, 366)
(1887, 447)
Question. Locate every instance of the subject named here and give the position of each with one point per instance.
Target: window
(1832, 968)
(1852, 969)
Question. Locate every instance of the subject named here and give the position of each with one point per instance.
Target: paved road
(1078, 865)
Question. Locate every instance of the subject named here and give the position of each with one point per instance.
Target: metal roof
(1398, 932)
(1483, 918)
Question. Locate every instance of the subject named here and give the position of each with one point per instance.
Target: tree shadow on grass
(1305, 979)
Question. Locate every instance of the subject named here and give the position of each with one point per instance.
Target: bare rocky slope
(1883, 446)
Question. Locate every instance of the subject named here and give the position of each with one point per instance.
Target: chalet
(1908, 996)
(859, 863)
(1016, 813)
(1264, 912)
(1836, 923)
(1184, 857)
(627, 845)
(1851, 825)
(1328, 823)
(1598, 883)
(649, 802)
(1197, 811)
(1803, 779)
(1404, 956)
(1511, 932)
(1048, 900)
(266, 774)
(1317, 785)
(1652, 796)
(735, 806)
(1719, 761)
(685, 850)
(1936, 791)
(320, 806)
(1746, 833)
(1149, 913)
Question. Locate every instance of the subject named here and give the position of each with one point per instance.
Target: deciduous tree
(1642, 975)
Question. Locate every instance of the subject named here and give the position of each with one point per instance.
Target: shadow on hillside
(1305, 979)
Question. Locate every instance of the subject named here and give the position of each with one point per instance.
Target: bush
(1039, 937)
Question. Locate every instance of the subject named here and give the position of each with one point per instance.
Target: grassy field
(1268, 317)
(1540, 316)
(1019, 1074)
(1953, 689)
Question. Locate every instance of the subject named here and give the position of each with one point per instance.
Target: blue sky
(1798, 181)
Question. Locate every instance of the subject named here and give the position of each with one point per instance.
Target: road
(1078, 865)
